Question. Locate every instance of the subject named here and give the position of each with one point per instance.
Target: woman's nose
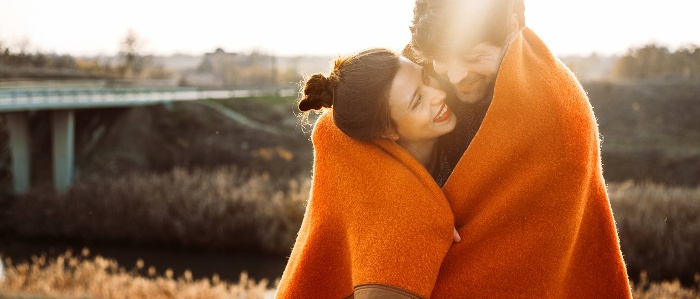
(437, 96)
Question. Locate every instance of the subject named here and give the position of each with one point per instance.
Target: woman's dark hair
(357, 90)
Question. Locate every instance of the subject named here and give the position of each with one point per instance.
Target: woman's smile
(443, 115)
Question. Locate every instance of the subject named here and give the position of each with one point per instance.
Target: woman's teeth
(441, 114)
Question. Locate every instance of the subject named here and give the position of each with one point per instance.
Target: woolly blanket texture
(375, 215)
(528, 195)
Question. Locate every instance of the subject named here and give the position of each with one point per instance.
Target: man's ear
(514, 28)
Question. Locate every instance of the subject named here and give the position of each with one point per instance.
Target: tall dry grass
(659, 229)
(665, 289)
(224, 209)
(69, 276)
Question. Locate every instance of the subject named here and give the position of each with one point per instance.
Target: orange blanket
(375, 215)
(528, 195)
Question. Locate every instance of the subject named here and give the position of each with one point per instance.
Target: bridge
(16, 103)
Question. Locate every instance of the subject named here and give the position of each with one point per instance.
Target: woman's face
(417, 106)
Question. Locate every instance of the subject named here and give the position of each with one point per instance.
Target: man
(527, 189)
(468, 74)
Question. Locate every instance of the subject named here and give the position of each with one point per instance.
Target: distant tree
(158, 72)
(64, 62)
(688, 61)
(39, 60)
(23, 46)
(289, 76)
(130, 51)
(2, 53)
(655, 61)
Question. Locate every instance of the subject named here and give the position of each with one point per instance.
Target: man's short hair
(433, 20)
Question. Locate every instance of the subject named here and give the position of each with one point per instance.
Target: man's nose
(440, 68)
(451, 71)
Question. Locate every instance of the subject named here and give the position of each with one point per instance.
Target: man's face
(472, 72)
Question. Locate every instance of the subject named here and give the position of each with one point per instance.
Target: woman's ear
(391, 135)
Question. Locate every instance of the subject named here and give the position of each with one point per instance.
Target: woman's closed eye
(417, 102)
(418, 99)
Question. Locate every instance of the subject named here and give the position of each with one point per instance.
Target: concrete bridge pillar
(63, 152)
(18, 126)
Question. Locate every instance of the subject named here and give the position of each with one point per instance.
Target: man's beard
(484, 91)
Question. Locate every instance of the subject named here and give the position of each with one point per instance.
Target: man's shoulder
(547, 71)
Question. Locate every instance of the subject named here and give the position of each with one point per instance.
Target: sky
(321, 27)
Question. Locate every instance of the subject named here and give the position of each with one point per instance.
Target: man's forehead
(466, 21)
(471, 11)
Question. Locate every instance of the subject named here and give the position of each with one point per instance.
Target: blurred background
(153, 148)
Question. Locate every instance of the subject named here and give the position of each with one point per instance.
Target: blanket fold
(528, 195)
(375, 216)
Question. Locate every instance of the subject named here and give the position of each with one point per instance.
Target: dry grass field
(82, 276)
(69, 276)
(220, 209)
(658, 227)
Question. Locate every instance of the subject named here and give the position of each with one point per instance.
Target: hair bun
(318, 93)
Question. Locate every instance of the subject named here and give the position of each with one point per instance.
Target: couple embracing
(467, 167)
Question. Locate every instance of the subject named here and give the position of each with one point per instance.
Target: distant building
(218, 62)
(253, 70)
(217, 69)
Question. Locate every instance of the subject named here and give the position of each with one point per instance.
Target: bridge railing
(46, 99)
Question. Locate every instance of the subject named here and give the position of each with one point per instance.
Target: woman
(377, 223)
